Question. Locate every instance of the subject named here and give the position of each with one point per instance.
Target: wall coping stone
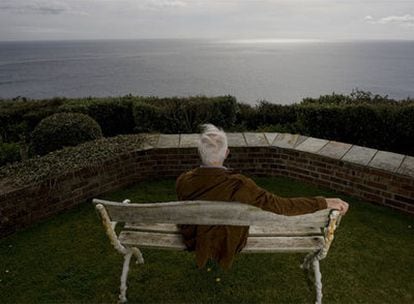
(168, 141)
(236, 140)
(407, 166)
(288, 141)
(189, 140)
(335, 149)
(256, 139)
(312, 145)
(387, 160)
(373, 158)
(359, 155)
(270, 137)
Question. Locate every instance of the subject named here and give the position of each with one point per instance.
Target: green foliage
(379, 126)
(64, 129)
(19, 117)
(356, 97)
(65, 160)
(114, 115)
(183, 115)
(148, 117)
(9, 153)
(359, 118)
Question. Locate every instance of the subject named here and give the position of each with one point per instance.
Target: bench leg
(312, 261)
(318, 281)
(138, 255)
(124, 277)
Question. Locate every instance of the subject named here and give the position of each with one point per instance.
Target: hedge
(114, 115)
(358, 118)
(183, 115)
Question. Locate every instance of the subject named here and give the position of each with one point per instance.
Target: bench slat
(254, 230)
(254, 244)
(209, 213)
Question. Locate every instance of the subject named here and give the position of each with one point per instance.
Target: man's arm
(248, 192)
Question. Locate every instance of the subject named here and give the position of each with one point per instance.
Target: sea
(278, 71)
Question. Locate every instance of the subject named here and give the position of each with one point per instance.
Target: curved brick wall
(380, 177)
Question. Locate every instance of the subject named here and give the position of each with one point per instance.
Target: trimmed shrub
(404, 130)
(114, 115)
(246, 117)
(183, 115)
(378, 126)
(64, 129)
(147, 117)
(9, 153)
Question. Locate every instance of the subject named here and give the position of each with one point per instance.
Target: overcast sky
(217, 19)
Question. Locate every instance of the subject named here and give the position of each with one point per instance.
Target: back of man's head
(212, 145)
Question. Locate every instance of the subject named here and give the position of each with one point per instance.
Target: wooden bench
(153, 225)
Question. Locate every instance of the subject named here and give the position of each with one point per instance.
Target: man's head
(212, 145)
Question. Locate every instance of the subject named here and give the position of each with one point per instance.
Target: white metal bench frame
(153, 226)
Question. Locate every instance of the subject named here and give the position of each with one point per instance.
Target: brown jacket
(221, 243)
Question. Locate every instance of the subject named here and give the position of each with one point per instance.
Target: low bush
(19, 117)
(64, 129)
(9, 153)
(59, 162)
(114, 115)
(183, 115)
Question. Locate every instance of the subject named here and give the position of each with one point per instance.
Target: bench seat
(261, 238)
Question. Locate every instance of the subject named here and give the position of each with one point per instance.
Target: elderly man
(212, 181)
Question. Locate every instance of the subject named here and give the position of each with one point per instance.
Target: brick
(404, 199)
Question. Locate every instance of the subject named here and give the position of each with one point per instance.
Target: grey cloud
(405, 20)
(41, 7)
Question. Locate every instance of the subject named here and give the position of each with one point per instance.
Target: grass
(68, 259)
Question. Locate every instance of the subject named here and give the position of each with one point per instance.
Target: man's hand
(338, 204)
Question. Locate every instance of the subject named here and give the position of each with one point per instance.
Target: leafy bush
(183, 115)
(64, 129)
(65, 160)
(356, 97)
(9, 153)
(114, 115)
(19, 117)
(404, 130)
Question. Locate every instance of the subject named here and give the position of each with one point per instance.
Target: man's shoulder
(237, 176)
(185, 174)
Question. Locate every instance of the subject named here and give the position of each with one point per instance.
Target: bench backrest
(208, 213)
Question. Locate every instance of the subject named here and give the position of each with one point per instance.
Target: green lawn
(69, 259)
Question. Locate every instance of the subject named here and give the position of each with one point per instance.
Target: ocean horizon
(277, 70)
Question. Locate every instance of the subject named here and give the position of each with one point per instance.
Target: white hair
(212, 145)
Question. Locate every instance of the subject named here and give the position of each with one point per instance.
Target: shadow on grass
(69, 259)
